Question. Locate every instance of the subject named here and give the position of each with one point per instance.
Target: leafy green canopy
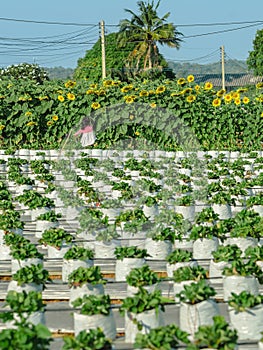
(255, 58)
(90, 66)
(146, 29)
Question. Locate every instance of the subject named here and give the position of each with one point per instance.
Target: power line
(256, 22)
(47, 22)
(197, 58)
(217, 24)
(219, 31)
(237, 63)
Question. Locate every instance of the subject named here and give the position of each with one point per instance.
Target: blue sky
(38, 43)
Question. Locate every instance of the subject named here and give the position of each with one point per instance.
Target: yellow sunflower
(31, 123)
(89, 92)
(216, 102)
(107, 82)
(197, 87)
(93, 86)
(153, 105)
(160, 89)
(259, 85)
(227, 98)
(181, 81)
(235, 95)
(175, 94)
(246, 100)
(71, 96)
(208, 86)
(137, 133)
(144, 93)
(49, 123)
(2, 127)
(129, 99)
(187, 90)
(220, 93)
(259, 98)
(55, 117)
(41, 98)
(190, 78)
(70, 84)
(100, 92)
(27, 114)
(241, 90)
(95, 105)
(126, 88)
(190, 98)
(61, 98)
(237, 101)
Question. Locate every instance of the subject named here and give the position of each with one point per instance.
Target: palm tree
(147, 29)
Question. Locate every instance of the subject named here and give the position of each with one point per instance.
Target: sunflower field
(40, 116)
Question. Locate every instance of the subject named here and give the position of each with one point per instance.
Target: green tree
(146, 30)
(90, 66)
(255, 58)
(25, 71)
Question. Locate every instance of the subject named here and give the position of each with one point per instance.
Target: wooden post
(103, 56)
(223, 67)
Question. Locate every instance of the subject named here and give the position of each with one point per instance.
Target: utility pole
(103, 56)
(223, 67)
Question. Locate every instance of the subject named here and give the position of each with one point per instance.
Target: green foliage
(255, 57)
(31, 274)
(26, 337)
(254, 253)
(33, 200)
(163, 234)
(51, 216)
(226, 253)
(244, 301)
(24, 71)
(93, 304)
(188, 273)
(161, 338)
(196, 292)
(179, 255)
(146, 29)
(14, 239)
(239, 267)
(142, 276)
(79, 253)
(87, 340)
(130, 252)
(41, 116)
(22, 304)
(206, 215)
(107, 234)
(201, 231)
(10, 219)
(25, 250)
(56, 237)
(143, 301)
(84, 275)
(90, 66)
(219, 335)
(247, 223)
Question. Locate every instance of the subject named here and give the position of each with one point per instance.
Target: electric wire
(40, 45)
